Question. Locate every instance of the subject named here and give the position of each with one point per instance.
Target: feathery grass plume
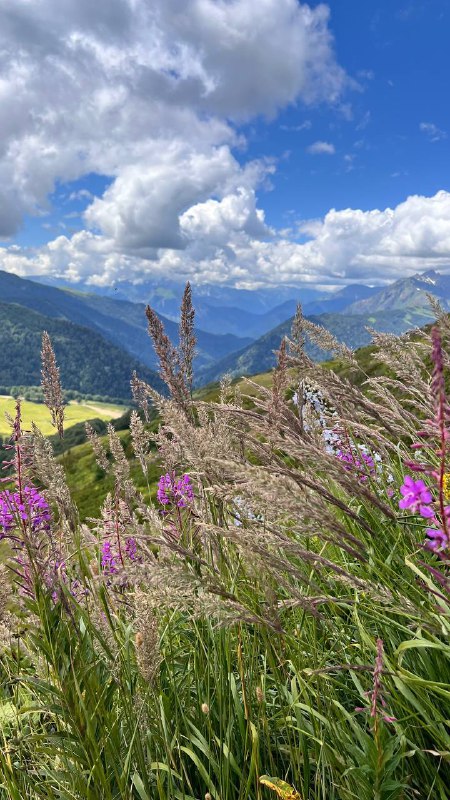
(404, 357)
(225, 386)
(187, 336)
(328, 343)
(170, 368)
(436, 307)
(51, 474)
(297, 339)
(147, 636)
(99, 451)
(280, 382)
(51, 384)
(120, 465)
(141, 440)
(8, 622)
(298, 359)
(141, 395)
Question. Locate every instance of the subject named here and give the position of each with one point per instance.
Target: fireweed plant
(276, 621)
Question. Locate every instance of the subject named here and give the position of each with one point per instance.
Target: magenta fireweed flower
(31, 508)
(131, 548)
(112, 559)
(25, 519)
(108, 559)
(438, 541)
(416, 496)
(173, 491)
(361, 462)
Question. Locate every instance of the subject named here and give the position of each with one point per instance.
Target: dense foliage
(89, 363)
(274, 622)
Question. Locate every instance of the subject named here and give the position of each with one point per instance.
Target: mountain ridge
(88, 363)
(349, 329)
(121, 322)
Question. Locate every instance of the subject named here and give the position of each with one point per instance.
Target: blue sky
(399, 53)
(212, 139)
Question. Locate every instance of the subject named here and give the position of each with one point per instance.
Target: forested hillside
(119, 321)
(89, 363)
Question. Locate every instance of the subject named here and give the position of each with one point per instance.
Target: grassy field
(39, 414)
(273, 621)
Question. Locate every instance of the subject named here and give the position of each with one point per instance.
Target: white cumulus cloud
(228, 241)
(321, 148)
(149, 93)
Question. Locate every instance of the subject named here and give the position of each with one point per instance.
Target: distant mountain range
(349, 329)
(237, 331)
(164, 295)
(120, 322)
(406, 293)
(347, 314)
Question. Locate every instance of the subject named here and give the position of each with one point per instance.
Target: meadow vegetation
(38, 413)
(272, 621)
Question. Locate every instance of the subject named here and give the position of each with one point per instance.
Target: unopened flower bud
(205, 708)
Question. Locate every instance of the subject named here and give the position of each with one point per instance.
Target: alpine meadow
(224, 400)
(276, 620)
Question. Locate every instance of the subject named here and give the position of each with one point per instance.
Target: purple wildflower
(175, 492)
(416, 496)
(111, 560)
(30, 507)
(361, 462)
(108, 560)
(438, 541)
(131, 548)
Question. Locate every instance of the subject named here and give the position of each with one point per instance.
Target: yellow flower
(446, 485)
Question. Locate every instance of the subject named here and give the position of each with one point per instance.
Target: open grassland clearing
(39, 414)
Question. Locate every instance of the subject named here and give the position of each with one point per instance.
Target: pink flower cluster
(29, 507)
(110, 559)
(417, 497)
(362, 463)
(175, 492)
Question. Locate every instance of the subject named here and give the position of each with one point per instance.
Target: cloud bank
(229, 244)
(153, 94)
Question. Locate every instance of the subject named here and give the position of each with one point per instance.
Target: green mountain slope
(350, 329)
(88, 362)
(121, 322)
(410, 293)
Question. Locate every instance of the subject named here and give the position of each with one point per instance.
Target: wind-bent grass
(283, 632)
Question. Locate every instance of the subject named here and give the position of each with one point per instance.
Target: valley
(100, 339)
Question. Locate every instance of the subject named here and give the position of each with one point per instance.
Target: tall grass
(282, 632)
